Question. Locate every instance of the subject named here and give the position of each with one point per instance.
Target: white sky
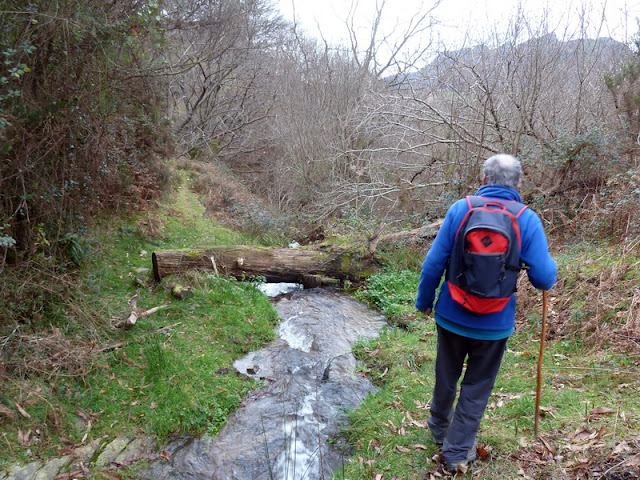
(459, 16)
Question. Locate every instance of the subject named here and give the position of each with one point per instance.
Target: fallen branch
(417, 236)
(373, 241)
(114, 346)
(135, 315)
(152, 310)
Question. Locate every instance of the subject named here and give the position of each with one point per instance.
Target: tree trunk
(418, 236)
(305, 265)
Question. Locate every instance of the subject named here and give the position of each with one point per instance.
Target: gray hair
(503, 169)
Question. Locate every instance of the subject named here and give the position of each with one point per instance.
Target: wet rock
(139, 448)
(187, 458)
(340, 367)
(28, 472)
(86, 453)
(51, 469)
(111, 451)
(284, 425)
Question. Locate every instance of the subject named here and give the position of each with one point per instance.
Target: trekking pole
(543, 335)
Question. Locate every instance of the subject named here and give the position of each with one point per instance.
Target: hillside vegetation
(83, 378)
(86, 376)
(165, 124)
(590, 416)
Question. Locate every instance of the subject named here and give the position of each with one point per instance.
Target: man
(462, 333)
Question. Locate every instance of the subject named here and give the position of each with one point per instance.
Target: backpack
(485, 261)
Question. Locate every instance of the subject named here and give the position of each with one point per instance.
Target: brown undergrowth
(48, 353)
(230, 203)
(226, 199)
(34, 336)
(596, 298)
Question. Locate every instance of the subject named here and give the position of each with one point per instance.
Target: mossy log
(274, 264)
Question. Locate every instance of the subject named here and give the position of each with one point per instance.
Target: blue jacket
(534, 253)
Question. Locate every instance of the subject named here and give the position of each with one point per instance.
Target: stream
(282, 429)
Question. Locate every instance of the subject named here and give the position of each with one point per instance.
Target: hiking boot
(462, 465)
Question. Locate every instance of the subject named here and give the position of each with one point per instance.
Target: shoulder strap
(513, 207)
(516, 208)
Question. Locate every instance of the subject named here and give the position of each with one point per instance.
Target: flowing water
(282, 429)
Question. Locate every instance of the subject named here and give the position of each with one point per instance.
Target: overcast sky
(458, 16)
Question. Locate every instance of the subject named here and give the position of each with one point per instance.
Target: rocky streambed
(283, 429)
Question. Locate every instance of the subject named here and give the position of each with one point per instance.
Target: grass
(172, 372)
(590, 384)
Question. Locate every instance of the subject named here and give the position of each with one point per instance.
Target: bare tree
(324, 131)
(218, 66)
(532, 94)
(393, 51)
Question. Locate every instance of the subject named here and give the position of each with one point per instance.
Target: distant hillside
(604, 52)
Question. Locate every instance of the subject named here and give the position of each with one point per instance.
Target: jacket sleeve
(437, 259)
(535, 254)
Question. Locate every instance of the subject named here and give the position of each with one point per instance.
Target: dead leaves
(599, 411)
(483, 451)
(502, 398)
(7, 412)
(22, 411)
(622, 447)
(26, 438)
(399, 430)
(585, 453)
(632, 461)
(411, 448)
(585, 434)
(374, 352)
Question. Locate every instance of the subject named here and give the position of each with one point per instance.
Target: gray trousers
(458, 430)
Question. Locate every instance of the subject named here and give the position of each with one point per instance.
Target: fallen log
(274, 264)
(417, 236)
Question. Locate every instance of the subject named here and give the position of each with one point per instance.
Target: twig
(4, 435)
(213, 262)
(627, 336)
(620, 463)
(615, 425)
(113, 346)
(152, 310)
(167, 327)
(134, 316)
(373, 241)
(608, 370)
